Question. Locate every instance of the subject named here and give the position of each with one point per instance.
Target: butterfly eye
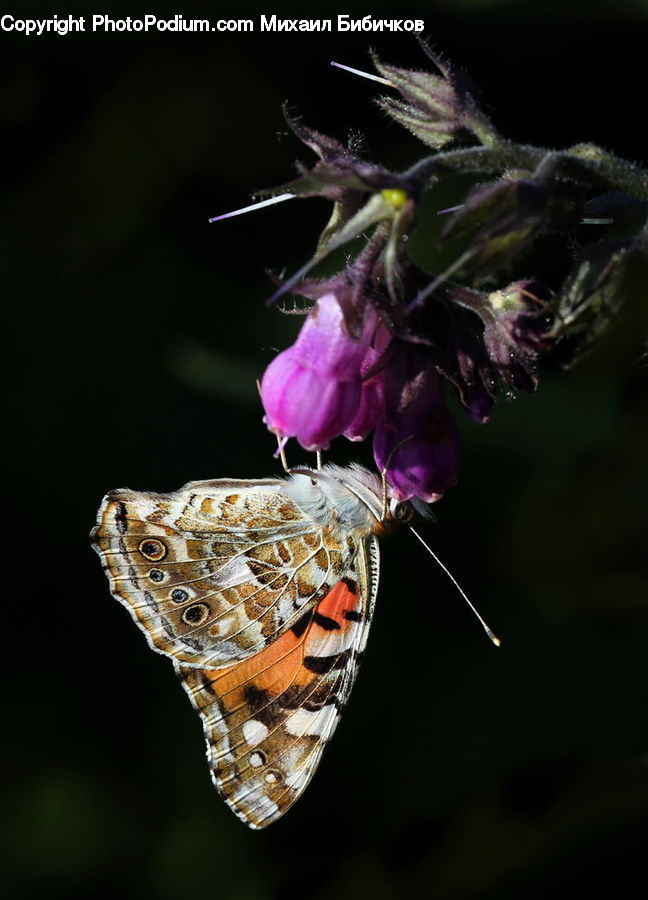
(403, 512)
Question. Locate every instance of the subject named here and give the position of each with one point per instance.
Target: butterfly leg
(281, 441)
(385, 498)
(281, 452)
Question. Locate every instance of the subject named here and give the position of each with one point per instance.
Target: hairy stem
(584, 163)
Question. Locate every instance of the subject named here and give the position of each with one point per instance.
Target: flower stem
(583, 163)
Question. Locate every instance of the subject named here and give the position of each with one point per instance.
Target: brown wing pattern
(267, 719)
(216, 571)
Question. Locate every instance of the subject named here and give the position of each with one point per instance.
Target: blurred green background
(135, 335)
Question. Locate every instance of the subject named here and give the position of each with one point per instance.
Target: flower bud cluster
(388, 335)
(330, 384)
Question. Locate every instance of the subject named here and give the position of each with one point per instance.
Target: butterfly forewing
(267, 719)
(216, 571)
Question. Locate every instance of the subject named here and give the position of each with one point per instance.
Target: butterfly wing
(268, 718)
(217, 571)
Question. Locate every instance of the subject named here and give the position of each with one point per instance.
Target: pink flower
(373, 371)
(312, 390)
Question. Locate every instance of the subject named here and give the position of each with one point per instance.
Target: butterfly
(262, 593)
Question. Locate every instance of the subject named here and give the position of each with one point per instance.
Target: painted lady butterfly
(262, 594)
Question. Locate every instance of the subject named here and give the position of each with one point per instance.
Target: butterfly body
(261, 592)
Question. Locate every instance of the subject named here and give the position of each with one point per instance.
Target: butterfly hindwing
(268, 718)
(217, 571)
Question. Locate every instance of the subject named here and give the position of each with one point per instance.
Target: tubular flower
(312, 390)
(426, 462)
(417, 444)
(373, 371)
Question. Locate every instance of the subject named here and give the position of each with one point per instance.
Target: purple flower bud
(312, 390)
(417, 444)
(426, 462)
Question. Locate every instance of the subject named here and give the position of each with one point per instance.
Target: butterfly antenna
(447, 571)
(318, 457)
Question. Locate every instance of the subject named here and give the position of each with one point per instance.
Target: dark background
(135, 337)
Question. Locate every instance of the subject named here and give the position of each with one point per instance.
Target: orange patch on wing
(340, 599)
(281, 664)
